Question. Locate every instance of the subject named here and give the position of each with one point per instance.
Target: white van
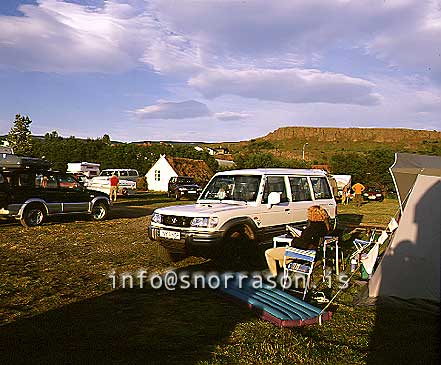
(125, 174)
(254, 204)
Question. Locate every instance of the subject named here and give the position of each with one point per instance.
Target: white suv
(254, 205)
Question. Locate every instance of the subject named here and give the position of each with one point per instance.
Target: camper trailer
(87, 169)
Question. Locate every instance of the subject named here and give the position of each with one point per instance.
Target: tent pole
(395, 183)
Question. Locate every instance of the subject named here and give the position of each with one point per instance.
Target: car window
(299, 189)
(133, 173)
(321, 188)
(106, 173)
(123, 173)
(24, 180)
(277, 184)
(186, 180)
(232, 187)
(46, 181)
(67, 182)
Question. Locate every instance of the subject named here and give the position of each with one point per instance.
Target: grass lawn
(57, 304)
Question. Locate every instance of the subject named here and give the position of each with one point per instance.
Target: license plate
(171, 235)
(372, 197)
(192, 192)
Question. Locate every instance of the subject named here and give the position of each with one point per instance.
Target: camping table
(329, 240)
(285, 239)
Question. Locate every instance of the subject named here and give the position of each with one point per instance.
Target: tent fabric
(410, 267)
(407, 167)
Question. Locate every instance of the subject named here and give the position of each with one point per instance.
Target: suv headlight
(156, 218)
(206, 222)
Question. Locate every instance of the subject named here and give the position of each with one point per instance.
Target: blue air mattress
(274, 305)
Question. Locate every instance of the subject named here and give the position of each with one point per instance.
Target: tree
(350, 163)
(106, 140)
(19, 137)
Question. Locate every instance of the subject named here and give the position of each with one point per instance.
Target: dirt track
(68, 259)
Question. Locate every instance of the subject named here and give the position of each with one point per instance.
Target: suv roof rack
(8, 161)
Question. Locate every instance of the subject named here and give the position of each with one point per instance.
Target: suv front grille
(176, 221)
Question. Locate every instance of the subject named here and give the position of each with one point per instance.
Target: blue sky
(218, 70)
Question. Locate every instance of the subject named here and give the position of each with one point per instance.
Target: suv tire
(238, 247)
(33, 216)
(100, 211)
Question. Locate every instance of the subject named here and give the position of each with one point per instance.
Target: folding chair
(368, 260)
(393, 225)
(301, 263)
(328, 241)
(361, 245)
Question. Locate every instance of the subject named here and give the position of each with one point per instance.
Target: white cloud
(265, 34)
(416, 48)
(173, 110)
(289, 86)
(183, 37)
(55, 36)
(231, 116)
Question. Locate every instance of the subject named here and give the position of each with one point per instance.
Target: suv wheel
(238, 248)
(124, 192)
(33, 216)
(100, 211)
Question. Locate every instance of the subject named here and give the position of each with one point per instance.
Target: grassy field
(57, 304)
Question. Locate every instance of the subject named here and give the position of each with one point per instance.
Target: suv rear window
(133, 173)
(299, 189)
(46, 181)
(321, 188)
(67, 182)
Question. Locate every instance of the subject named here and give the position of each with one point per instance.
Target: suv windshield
(106, 173)
(185, 180)
(232, 187)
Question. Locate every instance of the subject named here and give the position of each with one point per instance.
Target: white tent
(410, 267)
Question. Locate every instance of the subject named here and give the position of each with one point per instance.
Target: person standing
(114, 182)
(358, 190)
(345, 195)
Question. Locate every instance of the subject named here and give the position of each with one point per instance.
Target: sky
(218, 70)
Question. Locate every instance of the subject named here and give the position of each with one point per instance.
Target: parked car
(183, 186)
(373, 194)
(32, 193)
(241, 206)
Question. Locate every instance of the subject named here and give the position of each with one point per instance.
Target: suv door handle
(287, 210)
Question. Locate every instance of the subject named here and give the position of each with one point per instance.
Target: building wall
(165, 173)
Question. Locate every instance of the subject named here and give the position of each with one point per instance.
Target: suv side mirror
(273, 199)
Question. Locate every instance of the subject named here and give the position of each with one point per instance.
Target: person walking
(114, 182)
(358, 190)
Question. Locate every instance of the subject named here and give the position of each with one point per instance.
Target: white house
(167, 167)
